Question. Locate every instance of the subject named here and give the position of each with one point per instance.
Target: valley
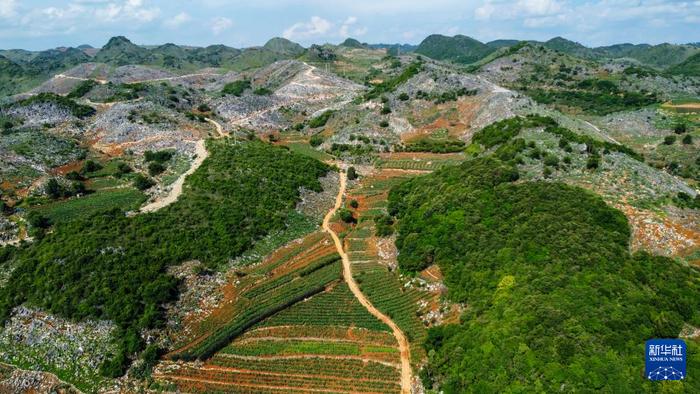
(347, 218)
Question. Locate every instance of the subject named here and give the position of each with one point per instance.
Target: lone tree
(352, 173)
(680, 128)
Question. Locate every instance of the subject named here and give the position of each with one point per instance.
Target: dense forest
(555, 301)
(113, 267)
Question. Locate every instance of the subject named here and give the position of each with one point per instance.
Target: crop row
(274, 301)
(337, 307)
(271, 285)
(387, 294)
(267, 347)
(357, 368)
(362, 335)
(415, 165)
(285, 254)
(306, 381)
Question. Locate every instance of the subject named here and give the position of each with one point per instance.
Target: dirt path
(600, 132)
(176, 189)
(64, 76)
(347, 275)
(104, 81)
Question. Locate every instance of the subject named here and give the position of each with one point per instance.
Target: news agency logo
(665, 359)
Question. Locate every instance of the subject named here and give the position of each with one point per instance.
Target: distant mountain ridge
(459, 49)
(465, 50)
(22, 69)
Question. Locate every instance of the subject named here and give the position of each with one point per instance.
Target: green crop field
(124, 199)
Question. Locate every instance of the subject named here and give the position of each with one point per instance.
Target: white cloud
(315, 27)
(349, 28)
(8, 8)
(177, 20)
(345, 28)
(504, 10)
(129, 10)
(220, 24)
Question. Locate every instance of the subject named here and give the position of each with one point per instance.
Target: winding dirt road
(176, 190)
(404, 348)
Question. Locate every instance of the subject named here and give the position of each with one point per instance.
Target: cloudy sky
(41, 24)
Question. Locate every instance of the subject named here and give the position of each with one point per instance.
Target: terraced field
(291, 324)
(287, 324)
(418, 161)
(374, 270)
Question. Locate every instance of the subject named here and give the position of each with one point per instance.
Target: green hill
(690, 66)
(120, 51)
(459, 49)
(352, 43)
(569, 47)
(661, 56)
(214, 55)
(284, 47)
(55, 60)
(555, 300)
(502, 43)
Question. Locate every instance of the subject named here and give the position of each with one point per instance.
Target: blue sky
(41, 24)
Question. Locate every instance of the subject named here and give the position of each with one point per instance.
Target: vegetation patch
(593, 100)
(112, 267)
(123, 199)
(545, 266)
(77, 110)
(391, 84)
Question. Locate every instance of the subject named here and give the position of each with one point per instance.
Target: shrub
(547, 172)
(142, 183)
(680, 128)
(155, 168)
(262, 92)
(321, 120)
(203, 108)
(688, 139)
(316, 140)
(90, 166)
(352, 173)
(54, 189)
(159, 157)
(386, 109)
(551, 160)
(236, 88)
(346, 216)
(123, 169)
(354, 203)
(383, 124)
(74, 176)
(82, 89)
(593, 162)
(669, 140)
(383, 225)
(38, 220)
(403, 96)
